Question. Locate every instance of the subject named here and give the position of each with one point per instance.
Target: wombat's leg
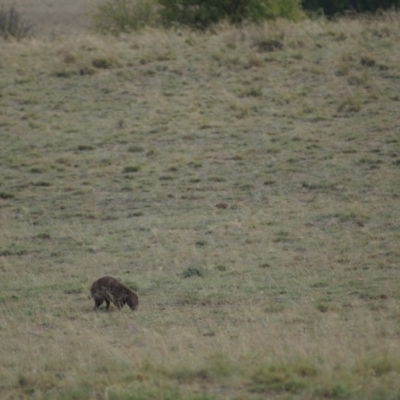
(119, 304)
(97, 303)
(107, 304)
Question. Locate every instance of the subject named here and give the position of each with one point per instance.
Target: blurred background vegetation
(126, 15)
(333, 7)
(123, 16)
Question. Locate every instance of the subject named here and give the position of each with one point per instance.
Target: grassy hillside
(245, 182)
(56, 17)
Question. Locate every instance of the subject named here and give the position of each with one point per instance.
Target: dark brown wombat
(110, 290)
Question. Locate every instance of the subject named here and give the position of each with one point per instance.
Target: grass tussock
(244, 182)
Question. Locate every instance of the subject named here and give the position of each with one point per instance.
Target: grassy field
(52, 18)
(245, 182)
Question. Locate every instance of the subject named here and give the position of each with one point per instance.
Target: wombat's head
(132, 302)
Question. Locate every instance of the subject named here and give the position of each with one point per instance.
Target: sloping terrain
(245, 182)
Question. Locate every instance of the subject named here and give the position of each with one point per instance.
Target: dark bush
(193, 271)
(12, 24)
(203, 13)
(332, 7)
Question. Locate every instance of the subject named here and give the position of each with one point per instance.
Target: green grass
(249, 191)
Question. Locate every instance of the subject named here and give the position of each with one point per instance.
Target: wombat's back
(106, 282)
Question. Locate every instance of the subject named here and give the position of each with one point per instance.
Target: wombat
(110, 290)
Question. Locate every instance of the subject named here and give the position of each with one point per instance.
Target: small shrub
(269, 45)
(43, 236)
(350, 104)
(123, 16)
(103, 63)
(63, 73)
(193, 271)
(42, 184)
(367, 61)
(336, 391)
(6, 196)
(84, 147)
(12, 24)
(136, 149)
(282, 237)
(131, 168)
(322, 307)
(252, 92)
(135, 214)
(274, 308)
